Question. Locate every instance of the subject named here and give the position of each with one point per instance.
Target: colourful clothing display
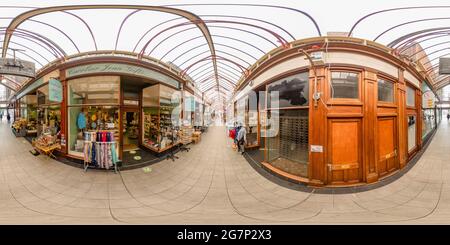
(100, 149)
(81, 121)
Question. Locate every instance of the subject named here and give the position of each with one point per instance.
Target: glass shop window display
(48, 113)
(93, 106)
(287, 143)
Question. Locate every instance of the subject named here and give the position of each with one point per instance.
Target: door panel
(387, 145)
(344, 154)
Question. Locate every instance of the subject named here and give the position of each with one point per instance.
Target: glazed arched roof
(214, 44)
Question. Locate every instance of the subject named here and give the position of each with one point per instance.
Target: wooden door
(344, 151)
(387, 146)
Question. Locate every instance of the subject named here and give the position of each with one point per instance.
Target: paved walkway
(211, 184)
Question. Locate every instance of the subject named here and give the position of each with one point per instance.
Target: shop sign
(17, 67)
(316, 148)
(430, 103)
(55, 90)
(122, 69)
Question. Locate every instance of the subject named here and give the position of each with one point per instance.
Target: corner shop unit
(368, 123)
(138, 102)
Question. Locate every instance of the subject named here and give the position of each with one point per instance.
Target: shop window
(287, 149)
(411, 132)
(90, 119)
(293, 91)
(410, 96)
(428, 122)
(160, 121)
(385, 91)
(344, 85)
(101, 90)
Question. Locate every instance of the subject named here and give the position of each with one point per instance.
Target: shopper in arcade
(241, 138)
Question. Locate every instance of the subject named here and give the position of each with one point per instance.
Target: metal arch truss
(402, 44)
(228, 63)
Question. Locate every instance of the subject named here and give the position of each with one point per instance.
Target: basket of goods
(19, 127)
(45, 141)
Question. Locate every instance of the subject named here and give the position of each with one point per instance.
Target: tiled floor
(211, 184)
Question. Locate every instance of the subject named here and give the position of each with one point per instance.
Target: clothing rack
(93, 148)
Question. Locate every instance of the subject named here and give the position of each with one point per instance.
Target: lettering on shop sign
(121, 68)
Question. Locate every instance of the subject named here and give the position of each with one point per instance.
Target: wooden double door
(345, 149)
(386, 152)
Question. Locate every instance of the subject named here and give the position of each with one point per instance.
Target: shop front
(109, 112)
(351, 117)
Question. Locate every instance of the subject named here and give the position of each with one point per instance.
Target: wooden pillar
(402, 123)
(370, 148)
(317, 129)
(64, 113)
(419, 119)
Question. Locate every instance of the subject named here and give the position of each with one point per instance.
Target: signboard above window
(9, 66)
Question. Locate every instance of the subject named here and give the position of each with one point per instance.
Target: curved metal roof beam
(257, 5)
(244, 70)
(51, 50)
(193, 57)
(410, 42)
(225, 37)
(189, 50)
(23, 53)
(8, 86)
(199, 67)
(121, 25)
(55, 49)
(29, 14)
(230, 73)
(431, 46)
(407, 23)
(43, 39)
(221, 73)
(390, 10)
(225, 75)
(231, 67)
(442, 83)
(217, 44)
(217, 51)
(236, 57)
(255, 19)
(51, 26)
(220, 63)
(11, 80)
(435, 59)
(210, 26)
(85, 24)
(280, 39)
(201, 72)
(151, 29)
(429, 55)
(222, 69)
(26, 47)
(412, 34)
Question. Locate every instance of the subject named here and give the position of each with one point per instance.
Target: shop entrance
(130, 129)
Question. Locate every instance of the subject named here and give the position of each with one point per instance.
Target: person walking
(8, 117)
(241, 139)
(448, 116)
